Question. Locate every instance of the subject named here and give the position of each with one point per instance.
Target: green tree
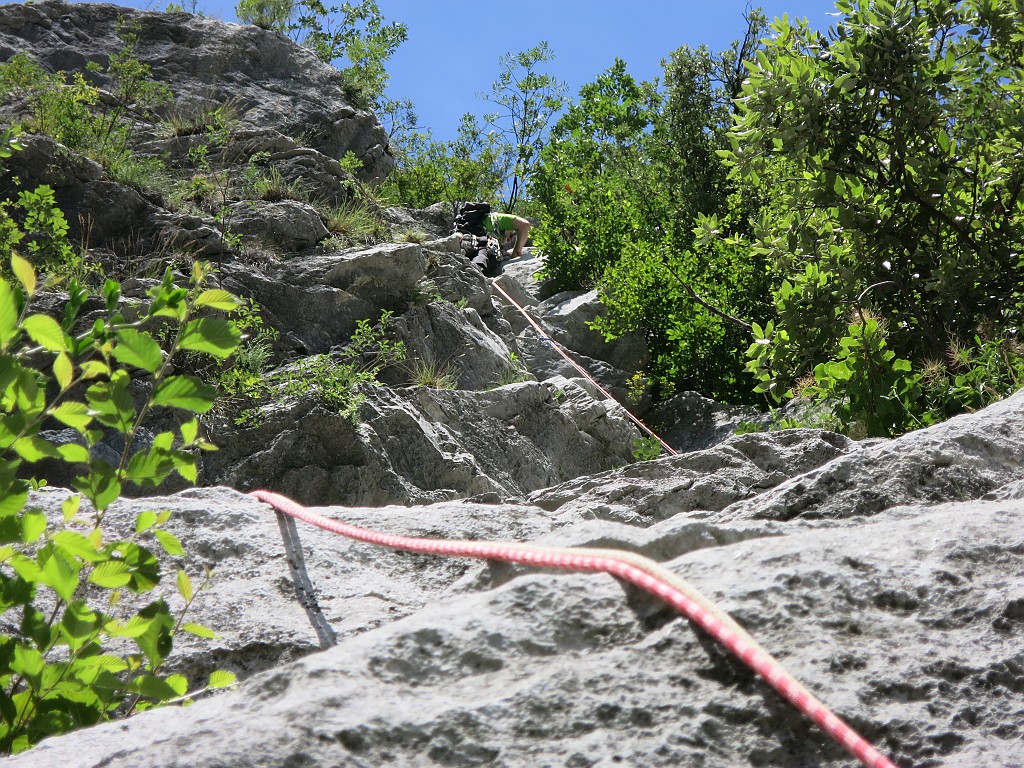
(266, 14)
(526, 100)
(629, 172)
(467, 168)
(892, 146)
(354, 34)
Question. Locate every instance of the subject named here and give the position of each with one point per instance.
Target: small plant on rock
(647, 448)
(334, 378)
(427, 373)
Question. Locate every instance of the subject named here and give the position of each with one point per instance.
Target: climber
(503, 226)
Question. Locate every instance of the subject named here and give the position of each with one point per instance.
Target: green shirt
(496, 223)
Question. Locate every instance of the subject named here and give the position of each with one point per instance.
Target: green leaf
(149, 468)
(28, 663)
(69, 508)
(79, 622)
(185, 586)
(199, 630)
(185, 392)
(112, 403)
(170, 543)
(190, 431)
(34, 448)
(221, 679)
(33, 525)
(156, 642)
(153, 687)
(111, 574)
(105, 661)
(47, 333)
(138, 349)
(58, 575)
(74, 414)
(217, 299)
(188, 470)
(8, 314)
(63, 371)
(216, 337)
(145, 521)
(100, 486)
(178, 682)
(26, 567)
(22, 270)
(73, 453)
(134, 627)
(77, 545)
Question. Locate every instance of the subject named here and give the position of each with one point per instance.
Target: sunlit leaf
(111, 574)
(170, 543)
(185, 586)
(63, 370)
(216, 337)
(47, 333)
(221, 679)
(185, 392)
(199, 630)
(217, 299)
(26, 275)
(138, 349)
(74, 414)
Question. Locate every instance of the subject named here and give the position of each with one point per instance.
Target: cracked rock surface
(907, 622)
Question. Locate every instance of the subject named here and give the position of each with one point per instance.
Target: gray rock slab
(962, 458)
(271, 81)
(744, 467)
(906, 627)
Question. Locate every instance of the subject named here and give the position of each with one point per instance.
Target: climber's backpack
(469, 218)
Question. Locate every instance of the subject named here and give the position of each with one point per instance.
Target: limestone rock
(420, 445)
(440, 337)
(962, 458)
(744, 467)
(691, 422)
(289, 225)
(904, 627)
(434, 221)
(270, 81)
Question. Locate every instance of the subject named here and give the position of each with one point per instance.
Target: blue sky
(449, 59)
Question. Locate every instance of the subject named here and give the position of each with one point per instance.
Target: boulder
(962, 458)
(287, 226)
(440, 337)
(689, 421)
(419, 445)
(434, 221)
(904, 626)
(565, 320)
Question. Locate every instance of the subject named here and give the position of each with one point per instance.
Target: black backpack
(469, 218)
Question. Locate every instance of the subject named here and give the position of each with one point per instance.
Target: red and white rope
(635, 569)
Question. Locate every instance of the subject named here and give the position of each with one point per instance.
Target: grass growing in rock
(333, 378)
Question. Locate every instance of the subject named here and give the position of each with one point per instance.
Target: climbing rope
(630, 567)
(544, 336)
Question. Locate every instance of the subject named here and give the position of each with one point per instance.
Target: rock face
(419, 445)
(271, 82)
(887, 575)
(908, 623)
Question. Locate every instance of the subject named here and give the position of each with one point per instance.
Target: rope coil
(630, 567)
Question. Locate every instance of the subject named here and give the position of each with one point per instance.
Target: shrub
(60, 667)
